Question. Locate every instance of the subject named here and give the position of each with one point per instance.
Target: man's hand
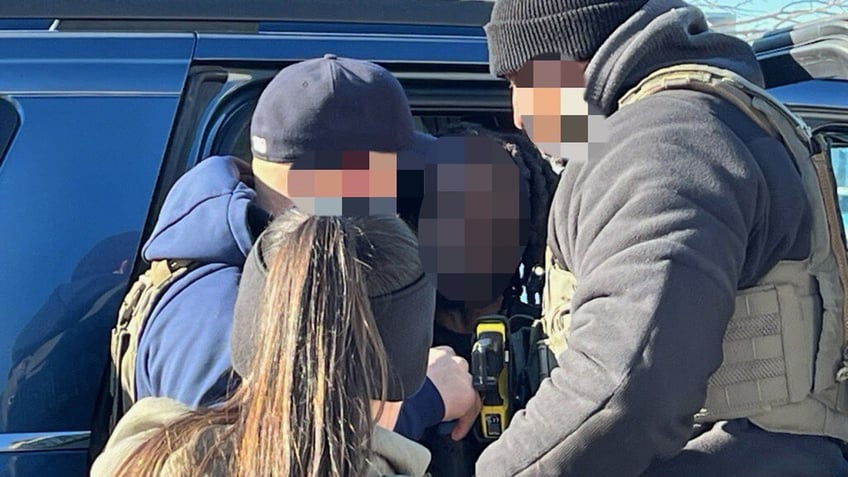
(449, 373)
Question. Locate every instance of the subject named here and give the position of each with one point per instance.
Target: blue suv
(103, 105)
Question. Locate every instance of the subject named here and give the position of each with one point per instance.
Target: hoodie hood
(204, 217)
(663, 33)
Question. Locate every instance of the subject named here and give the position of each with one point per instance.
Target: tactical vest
(785, 364)
(136, 308)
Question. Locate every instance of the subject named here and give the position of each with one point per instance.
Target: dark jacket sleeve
(422, 410)
(656, 232)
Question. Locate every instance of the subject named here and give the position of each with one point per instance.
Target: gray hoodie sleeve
(656, 232)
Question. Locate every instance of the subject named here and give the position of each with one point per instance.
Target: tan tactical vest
(135, 310)
(785, 366)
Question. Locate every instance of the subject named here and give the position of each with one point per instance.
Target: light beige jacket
(394, 455)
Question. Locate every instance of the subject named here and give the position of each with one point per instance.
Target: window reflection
(70, 332)
(73, 201)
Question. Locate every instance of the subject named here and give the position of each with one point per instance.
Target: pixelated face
(548, 103)
(474, 218)
(350, 183)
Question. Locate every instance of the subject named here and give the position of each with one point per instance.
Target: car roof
(419, 12)
(803, 33)
(805, 65)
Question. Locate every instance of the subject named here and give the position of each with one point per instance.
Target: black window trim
(8, 112)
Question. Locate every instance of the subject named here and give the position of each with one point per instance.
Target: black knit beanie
(521, 30)
(404, 319)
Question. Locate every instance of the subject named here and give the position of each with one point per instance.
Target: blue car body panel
(25, 23)
(41, 63)
(94, 114)
(370, 46)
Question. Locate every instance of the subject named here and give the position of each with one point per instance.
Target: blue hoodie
(184, 350)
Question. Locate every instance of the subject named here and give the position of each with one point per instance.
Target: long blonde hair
(305, 408)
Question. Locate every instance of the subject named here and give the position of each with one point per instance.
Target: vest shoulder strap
(135, 310)
(725, 84)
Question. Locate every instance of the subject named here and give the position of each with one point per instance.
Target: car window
(234, 137)
(231, 136)
(839, 158)
(74, 194)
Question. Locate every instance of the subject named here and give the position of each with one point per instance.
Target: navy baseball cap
(332, 103)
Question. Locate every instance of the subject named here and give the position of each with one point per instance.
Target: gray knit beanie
(521, 30)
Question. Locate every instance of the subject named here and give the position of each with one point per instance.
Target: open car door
(806, 67)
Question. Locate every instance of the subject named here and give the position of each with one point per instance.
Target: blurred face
(548, 104)
(473, 224)
(351, 183)
(548, 89)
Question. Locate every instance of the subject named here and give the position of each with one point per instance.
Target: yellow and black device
(489, 370)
